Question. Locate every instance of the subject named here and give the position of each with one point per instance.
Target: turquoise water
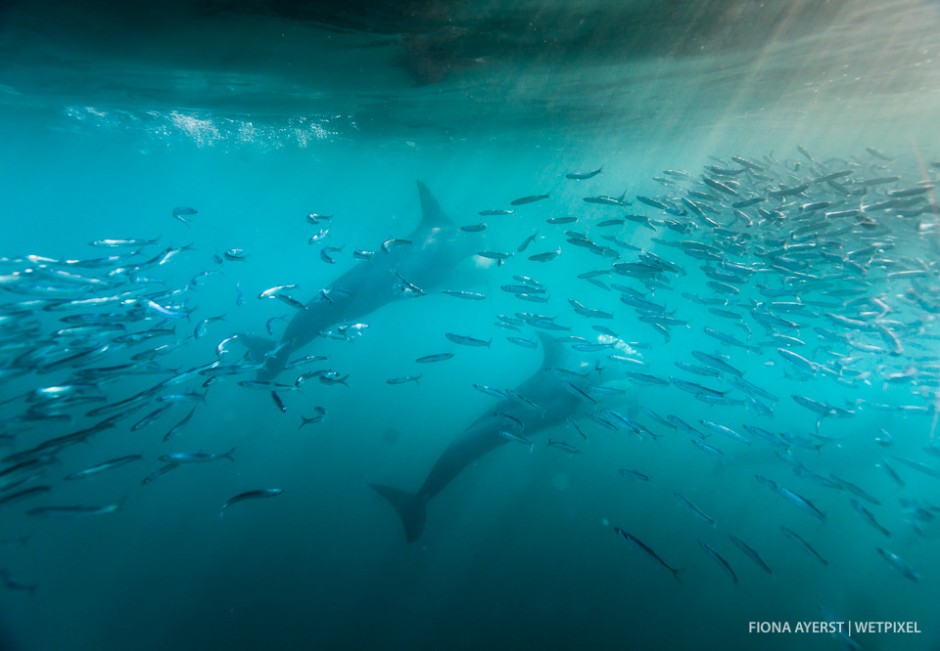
(258, 116)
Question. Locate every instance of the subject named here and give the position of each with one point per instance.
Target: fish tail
(230, 455)
(410, 508)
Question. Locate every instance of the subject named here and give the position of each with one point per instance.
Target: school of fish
(818, 271)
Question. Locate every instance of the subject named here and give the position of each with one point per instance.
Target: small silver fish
(561, 445)
(548, 256)
(439, 357)
(899, 564)
(517, 438)
(272, 292)
(113, 244)
(403, 379)
(262, 493)
(471, 296)
(491, 391)
(180, 213)
(388, 244)
(720, 560)
(467, 341)
(74, 511)
(327, 250)
(101, 467)
(584, 176)
(236, 254)
(525, 244)
(318, 417)
(196, 457)
(316, 237)
(532, 198)
(499, 256)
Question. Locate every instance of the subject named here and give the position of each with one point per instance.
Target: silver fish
(561, 445)
(318, 417)
(74, 510)
(799, 540)
(532, 198)
(750, 553)
(262, 493)
(467, 341)
(439, 357)
(403, 379)
(583, 176)
(197, 457)
(899, 564)
(102, 467)
(648, 551)
(720, 560)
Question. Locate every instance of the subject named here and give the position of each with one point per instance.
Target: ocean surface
(653, 287)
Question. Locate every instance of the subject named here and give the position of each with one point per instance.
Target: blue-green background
(260, 114)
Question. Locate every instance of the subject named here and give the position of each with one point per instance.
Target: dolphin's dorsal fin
(552, 351)
(431, 213)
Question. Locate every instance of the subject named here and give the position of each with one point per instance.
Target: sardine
(263, 493)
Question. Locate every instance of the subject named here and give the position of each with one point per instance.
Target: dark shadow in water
(6, 644)
(437, 38)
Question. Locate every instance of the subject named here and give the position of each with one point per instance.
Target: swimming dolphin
(551, 402)
(403, 268)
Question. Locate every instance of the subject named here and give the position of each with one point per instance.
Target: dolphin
(546, 401)
(403, 268)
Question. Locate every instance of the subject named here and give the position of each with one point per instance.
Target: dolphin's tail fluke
(410, 508)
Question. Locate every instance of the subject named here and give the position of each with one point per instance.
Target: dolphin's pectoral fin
(258, 347)
(410, 508)
(431, 213)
